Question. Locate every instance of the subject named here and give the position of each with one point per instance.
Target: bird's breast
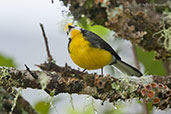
(86, 56)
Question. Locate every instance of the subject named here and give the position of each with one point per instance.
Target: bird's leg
(102, 71)
(84, 70)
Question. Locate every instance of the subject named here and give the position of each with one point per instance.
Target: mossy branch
(55, 80)
(7, 101)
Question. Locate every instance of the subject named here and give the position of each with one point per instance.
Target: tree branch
(138, 67)
(55, 80)
(46, 43)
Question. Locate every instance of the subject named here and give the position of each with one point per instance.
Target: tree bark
(55, 80)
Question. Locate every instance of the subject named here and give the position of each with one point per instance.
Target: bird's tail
(127, 69)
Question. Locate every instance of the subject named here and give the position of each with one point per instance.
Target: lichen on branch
(55, 79)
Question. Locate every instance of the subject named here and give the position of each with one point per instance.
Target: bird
(90, 52)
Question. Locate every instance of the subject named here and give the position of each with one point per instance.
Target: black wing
(98, 42)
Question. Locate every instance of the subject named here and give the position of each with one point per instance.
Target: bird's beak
(67, 26)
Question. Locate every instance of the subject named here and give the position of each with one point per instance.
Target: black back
(98, 42)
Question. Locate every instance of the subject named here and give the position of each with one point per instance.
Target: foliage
(42, 107)
(116, 110)
(6, 61)
(153, 67)
(91, 110)
(88, 25)
(88, 110)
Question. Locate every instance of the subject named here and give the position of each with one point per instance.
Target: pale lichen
(114, 13)
(71, 102)
(142, 80)
(125, 88)
(44, 80)
(15, 100)
(165, 33)
(89, 90)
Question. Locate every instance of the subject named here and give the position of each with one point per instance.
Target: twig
(138, 67)
(167, 66)
(52, 1)
(46, 43)
(71, 101)
(135, 57)
(28, 69)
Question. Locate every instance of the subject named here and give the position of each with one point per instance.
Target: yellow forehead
(66, 26)
(75, 33)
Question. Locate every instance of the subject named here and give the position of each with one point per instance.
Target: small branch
(135, 57)
(52, 1)
(138, 67)
(167, 65)
(46, 43)
(28, 69)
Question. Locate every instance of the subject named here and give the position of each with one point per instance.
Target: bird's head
(69, 27)
(72, 30)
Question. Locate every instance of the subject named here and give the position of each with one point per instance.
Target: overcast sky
(20, 34)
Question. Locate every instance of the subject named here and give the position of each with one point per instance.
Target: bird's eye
(70, 27)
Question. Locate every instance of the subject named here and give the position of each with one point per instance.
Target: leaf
(87, 110)
(6, 61)
(150, 107)
(85, 23)
(42, 107)
(117, 110)
(99, 30)
(154, 67)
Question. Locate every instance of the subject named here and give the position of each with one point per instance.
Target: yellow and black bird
(90, 52)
